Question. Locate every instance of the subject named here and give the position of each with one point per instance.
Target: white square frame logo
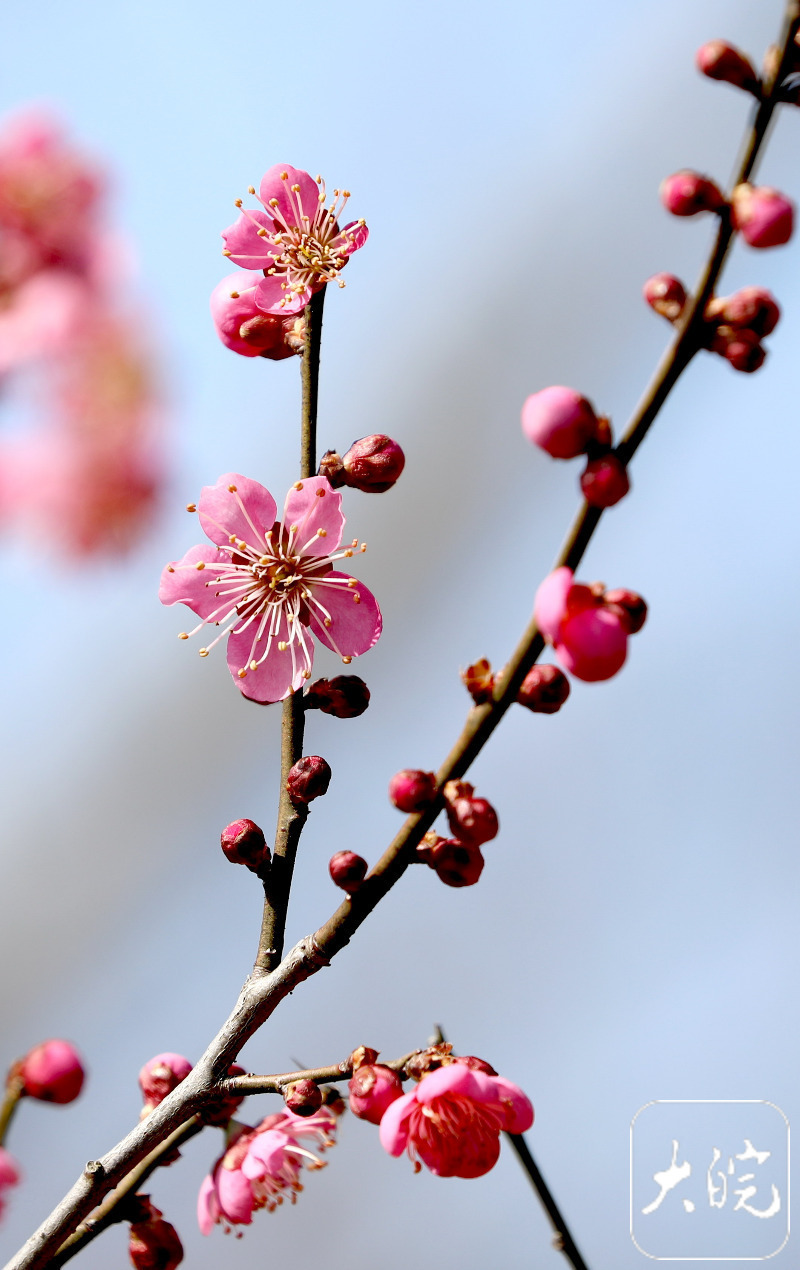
(682, 1190)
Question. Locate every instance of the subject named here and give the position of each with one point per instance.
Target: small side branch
(563, 1240)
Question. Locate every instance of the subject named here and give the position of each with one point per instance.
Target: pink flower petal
(273, 187)
(265, 1154)
(186, 584)
(455, 1078)
(351, 238)
(315, 505)
(593, 645)
(247, 512)
(208, 1211)
(279, 673)
(518, 1108)
(393, 1131)
(550, 603)
(273, 296)
(244, 245)
(355, 624)
(235, 1196)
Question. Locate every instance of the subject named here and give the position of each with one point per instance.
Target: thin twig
(252, 1084)
(11, 1097)
(563, 1240)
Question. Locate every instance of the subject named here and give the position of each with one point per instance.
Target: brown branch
(563, 1240)
(252, 1084)
(11, 1097)
(265, 989)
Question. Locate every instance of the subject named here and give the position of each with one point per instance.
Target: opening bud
(308, 779)
(52, 1072)
(154, 1243)
(372, 1089)
(456, 863)
(763, 216)
(722, 61)
(160, 1076)
(752, 307)
(665, 294)
(560, 421)
(605, 481)
(303, 1097)
(479, 681)
(544, 690)
(629, 607)
(686, 193)
(345, 697)
(347, 870)
(243, 843)
(244, 328)
(472, 820)
(373, 464)
(413, 790)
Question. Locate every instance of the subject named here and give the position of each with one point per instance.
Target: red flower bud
(154, 1243)
(544, 689)
(721, 61)
(604, 481)
(456, 863)
(629, 607)
(373, 464)
(666, 294)
(413, 790)
(742, 348)
(52, 1072)
(347, 870)
(345, 697)
(308, 779)
(479, 681)
(161, 1075)
(763, 216)
(560, 421)
(243, 843)
(687, 193)
(303, 1097)
(472, 820)
(752, 307)
(372, 1089)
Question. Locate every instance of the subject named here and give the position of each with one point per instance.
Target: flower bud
(560, 421)
(345, 696)
(429, 1060)
(161, 1075)
(472, 820)
(629, 607)
(361, 1054)
(332, 468)
(544, 690)
(372, 1089)
(303, 1097)
(721, 61)
(456, 863)
(752, 307)
(243, 843)
(154, 1243)
(373, 464)
(742, 348)
(479, 681)
(604, 481)
(687, 193)
(347, 870)
(243, 327)
(666, 294)
(475, 1064)
(52, 1072)
(220, 1111)
(763, 216)
(413, 790)
(308, 779)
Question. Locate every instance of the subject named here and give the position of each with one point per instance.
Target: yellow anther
(296, 189)
(251, 189)
(363, 546)
(282, 646)
(225, 251)
(320, 493)
(240, 542)
(254, 665)
(293, 528)
(306, 674)
(322, 533)
(264, 560)
(191, 507)
(348, 552)
(231, 537)
(170, 569)
(341, 284)
(234, 295)
(345, 193)
(203, 652)
(356, 597)
(183, 635)
(231, 489)
(298, 485)
(284, 176)
(262, 233)
(241, 673)
(201, 564)
(351, 582)
(347, 660)
(290, 617)
(273, 202)
(326, 621)
(237, 202)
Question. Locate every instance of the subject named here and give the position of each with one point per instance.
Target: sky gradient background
(634, 935)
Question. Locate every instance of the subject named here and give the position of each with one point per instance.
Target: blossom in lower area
(295, 240)
(451, 1122)
(262, 1166)
(271, 586)
(589, 637)
(9, 1176)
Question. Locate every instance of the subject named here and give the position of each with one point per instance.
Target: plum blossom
(295, 240)
(271, 585)
(452, 1121)
(589, 637)
(261, 1166)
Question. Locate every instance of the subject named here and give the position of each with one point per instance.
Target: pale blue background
(635, 934)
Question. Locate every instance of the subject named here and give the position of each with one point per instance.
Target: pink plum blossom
(261, 1166)
(271, 585)
(295, 240)
(9, 1176)
(452, 1121)
(589, 638)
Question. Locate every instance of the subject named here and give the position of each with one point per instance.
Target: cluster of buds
(458, 860)
(587, 625)
(564, 424)
(735, 324)
(762, 215)
(153, 1242)
(372, 465)
(543, 690)
(373, 1086)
